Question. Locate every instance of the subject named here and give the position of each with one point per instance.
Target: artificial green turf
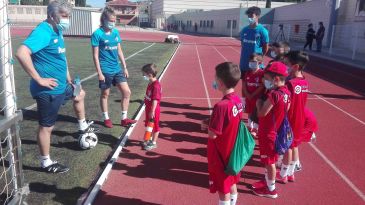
(84, 164)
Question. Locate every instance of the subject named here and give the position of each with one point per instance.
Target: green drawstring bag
(241, 152)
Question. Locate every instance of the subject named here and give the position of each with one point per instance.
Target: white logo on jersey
(55, 41)
(298, 89)
(61, 50)
(285, 98)
(106, 41)
(116, 39)
(235, 111)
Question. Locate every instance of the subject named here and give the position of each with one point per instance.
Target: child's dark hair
(229, 73)
(273, 75)
(253, 10)
(278, 44)
(150, 69)
(257, 56)
(298, 57)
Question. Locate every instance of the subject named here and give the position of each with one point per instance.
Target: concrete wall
(300, 15)
(161, 9)
(220, 19)
(27, 14)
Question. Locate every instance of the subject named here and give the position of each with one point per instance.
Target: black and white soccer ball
(88, 140)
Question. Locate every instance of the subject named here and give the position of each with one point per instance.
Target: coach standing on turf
(254, 39)
(42, 56)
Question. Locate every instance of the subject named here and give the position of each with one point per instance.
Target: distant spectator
(311, 35)
(320, 36)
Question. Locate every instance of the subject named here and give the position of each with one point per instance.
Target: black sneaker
(55, 168)
(89, 128)
(150, 146)
(298, 167)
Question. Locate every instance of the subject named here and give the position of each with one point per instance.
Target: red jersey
(253, 80)
(310, 125)
(269, 124)
(224, 122)
(298, 88)
(153, 92)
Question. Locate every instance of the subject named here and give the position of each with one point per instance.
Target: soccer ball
(88, 140)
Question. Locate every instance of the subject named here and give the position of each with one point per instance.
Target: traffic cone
(149, 129)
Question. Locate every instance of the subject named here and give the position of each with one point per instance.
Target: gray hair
(107, 12)
(56, 7)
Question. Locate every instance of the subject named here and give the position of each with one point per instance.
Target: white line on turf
(202, 75)
(220, 53)
(338, 171)
(340, 109)
(31, 107)
(93, 193)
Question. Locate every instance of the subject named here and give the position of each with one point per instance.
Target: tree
(268, 4)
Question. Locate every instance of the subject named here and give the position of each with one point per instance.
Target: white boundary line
(220, 53)
(31, 107)
(340, 109)
(338, 171)
(195, 98)
(93, 193)
(203, 78)
(235, 50)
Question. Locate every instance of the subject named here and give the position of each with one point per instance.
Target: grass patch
(67, 188)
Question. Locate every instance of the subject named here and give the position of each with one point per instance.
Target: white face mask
(273, 54)
(110, 25)
(145, 78)
(253, 65)
(64, 24)
(268, 84)
(251, 21)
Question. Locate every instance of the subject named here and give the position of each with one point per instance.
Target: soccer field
(85, 165)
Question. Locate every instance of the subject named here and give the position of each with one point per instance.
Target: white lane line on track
(203, 78)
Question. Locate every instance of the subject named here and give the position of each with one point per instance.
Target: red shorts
(221, 182)
(156, 128)
(250, 105)
(296, 142)
(267, 150)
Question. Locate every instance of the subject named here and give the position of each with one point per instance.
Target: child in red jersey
(298, 87)
(253, 88)
(310, 126)
(222, 130)
(271, 112)
(152, 102)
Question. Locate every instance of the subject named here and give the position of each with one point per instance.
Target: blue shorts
(112, 79)
(48, 106)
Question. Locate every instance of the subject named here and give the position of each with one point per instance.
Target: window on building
(38, 11)
(208, 24)
(234, 24)
(229, 24)
(204, 23)
(211, 24)
(19, 10)
(201, 23)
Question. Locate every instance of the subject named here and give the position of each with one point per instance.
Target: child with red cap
(271, 110)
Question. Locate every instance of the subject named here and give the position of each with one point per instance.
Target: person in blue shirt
(43, 57)
(106, 46)
(254, 38)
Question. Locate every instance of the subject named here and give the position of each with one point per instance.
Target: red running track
(176, 172)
